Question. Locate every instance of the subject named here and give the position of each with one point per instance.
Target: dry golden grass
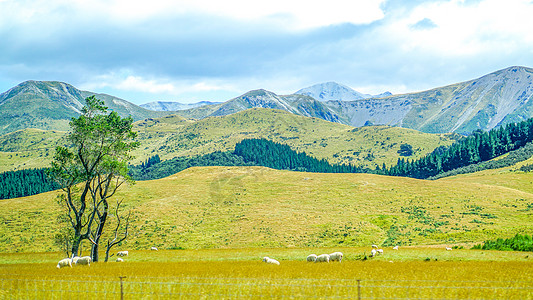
(239, 273)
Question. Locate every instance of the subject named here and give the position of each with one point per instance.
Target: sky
(196, 50)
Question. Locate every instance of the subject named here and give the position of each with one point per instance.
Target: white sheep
(395, 248)
(119, 259)
(64, 263)
(375, 246)
(122, 253)
(336, 256)
(75, 259)
(311, 258)
(380, 251)
(85, 260)
(269, 260)
(154, 249)
(373, 252)
(322, 258)
(448, 248)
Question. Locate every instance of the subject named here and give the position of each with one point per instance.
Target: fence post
(121, 287)
(359, 289)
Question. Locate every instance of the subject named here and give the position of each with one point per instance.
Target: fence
(91, 287)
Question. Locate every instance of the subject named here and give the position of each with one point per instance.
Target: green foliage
(25, 183)
(526, 168)
(278, 156)
(405, 150)
(476, 148)
(510, 159)
(91, 170)
(516, 243)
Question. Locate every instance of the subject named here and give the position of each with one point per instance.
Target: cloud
(189, 49)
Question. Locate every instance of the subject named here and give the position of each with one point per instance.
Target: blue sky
(193, 50)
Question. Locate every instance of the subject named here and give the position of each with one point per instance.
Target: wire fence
(93, 287)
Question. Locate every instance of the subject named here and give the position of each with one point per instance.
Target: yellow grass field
(407, 273)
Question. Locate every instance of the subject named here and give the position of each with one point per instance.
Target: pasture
(410, 272)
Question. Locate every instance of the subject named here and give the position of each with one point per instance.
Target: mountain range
(484, 103)
(50, 105)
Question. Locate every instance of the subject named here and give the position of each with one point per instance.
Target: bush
(516, 243)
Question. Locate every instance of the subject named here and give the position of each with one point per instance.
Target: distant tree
(405, 150)
(91, 169)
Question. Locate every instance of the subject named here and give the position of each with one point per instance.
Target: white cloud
(295, 14)
(462, 28)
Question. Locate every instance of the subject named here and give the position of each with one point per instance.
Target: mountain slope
(50, 105)
(296, 104)
(490, 101)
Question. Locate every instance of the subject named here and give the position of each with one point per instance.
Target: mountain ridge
(492, 100)
(50, 105)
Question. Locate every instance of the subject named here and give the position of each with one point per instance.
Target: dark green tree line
(25, 183)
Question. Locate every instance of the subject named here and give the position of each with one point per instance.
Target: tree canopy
(91, 169)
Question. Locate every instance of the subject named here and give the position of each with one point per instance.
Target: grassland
(174, 136)
(243, 207)
(239, 273)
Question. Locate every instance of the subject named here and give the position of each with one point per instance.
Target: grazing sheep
(375, 246)
(122, 253)
(336, 256)
(448, 248)
(64, 262)
(311, 258)
(269, 260)
(395, 248)
(380, 251)
(153, 248)
(322, 258)
(373, 252)
(119, 259)
(75, 260)
(85, 260)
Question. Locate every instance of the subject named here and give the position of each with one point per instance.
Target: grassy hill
(174, 136)
(49, 105)
(233, 207)
(28, 148)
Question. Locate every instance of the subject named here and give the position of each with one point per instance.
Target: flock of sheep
(86, 260)
(76, 260)
(335, 256)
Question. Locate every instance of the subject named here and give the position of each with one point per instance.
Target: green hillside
(366, 146)
(49, 105)
(233, 207)
(29, 148)
(175, 136)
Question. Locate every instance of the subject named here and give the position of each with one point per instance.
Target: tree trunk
(98, 235)
(94, 251)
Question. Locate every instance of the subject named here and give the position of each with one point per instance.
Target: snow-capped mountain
(332, 91)
(173, 106)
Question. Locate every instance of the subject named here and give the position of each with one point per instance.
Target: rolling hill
(176, 136)
(235, 207)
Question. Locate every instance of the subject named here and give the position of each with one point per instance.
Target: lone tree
(91, 169)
